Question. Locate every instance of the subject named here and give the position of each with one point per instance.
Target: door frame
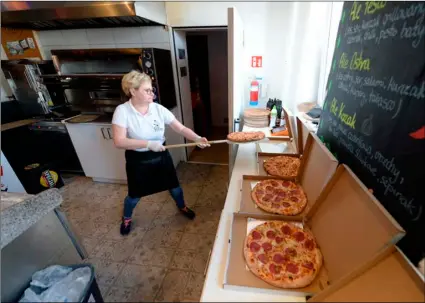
(177, 80)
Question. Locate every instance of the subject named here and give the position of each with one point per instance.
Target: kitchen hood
(50, 15)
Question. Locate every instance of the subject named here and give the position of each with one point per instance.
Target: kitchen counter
(20, 211)
(19, 123)
(213, 291)
(101, 120)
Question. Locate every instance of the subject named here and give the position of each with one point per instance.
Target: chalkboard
(374, 113)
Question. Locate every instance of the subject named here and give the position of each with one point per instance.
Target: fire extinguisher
(253, 92)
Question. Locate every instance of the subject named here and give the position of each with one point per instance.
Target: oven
(90, 79)
(55, 145)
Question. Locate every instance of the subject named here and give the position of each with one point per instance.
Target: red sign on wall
(257, 61)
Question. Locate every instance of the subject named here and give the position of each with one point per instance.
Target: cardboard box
(350, 226)
(317, 167)
(388, 278)
(281, 144)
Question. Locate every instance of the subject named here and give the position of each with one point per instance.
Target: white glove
(155, 146)
(201, 145)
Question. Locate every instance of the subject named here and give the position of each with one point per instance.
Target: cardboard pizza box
(350, 227)
(388, 278)
(281, 144)
(316, 168)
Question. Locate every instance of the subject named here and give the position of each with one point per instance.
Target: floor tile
(158, 256)
(190, 260)
(202, 227)
(173, 286)
(194, 286)
(196, 242)
(146, 280)
(175, 222)
(121, 294)
(89, 244)
(118, 251)
(106, 271)
(165, 254)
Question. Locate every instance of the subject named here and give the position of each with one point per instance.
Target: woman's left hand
(202, 142)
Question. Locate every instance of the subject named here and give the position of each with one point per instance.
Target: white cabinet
(98, 155)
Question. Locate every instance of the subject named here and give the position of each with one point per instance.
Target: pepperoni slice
(286, 204)
(275, 205)
(278, 240)
(299, 236)
(274, 269)
(279, 259)
(286, 230)
(294, 199)
(291, 251)
(260, 192)
(262, 258)
(277, 199)
(274, 183)
(256, 235)
(271, 234)
(295, 192)
(309, 244)
(254, 246)
(292, 268)
(286, 183)
(267, 197)
(267, 246)
(281, 194)
(308, 265)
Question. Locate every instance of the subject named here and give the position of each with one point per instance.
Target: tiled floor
(165, 255)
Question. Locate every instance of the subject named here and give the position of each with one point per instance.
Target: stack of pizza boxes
(353, 231)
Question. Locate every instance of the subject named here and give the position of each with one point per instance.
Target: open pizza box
(350, 227)
(390, 277)
(316, 168)
(281, 144)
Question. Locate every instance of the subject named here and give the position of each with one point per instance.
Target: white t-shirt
(150, 126)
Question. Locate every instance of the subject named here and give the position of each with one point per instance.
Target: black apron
(149, 172)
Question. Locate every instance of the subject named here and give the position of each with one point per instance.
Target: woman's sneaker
(125, 226)
(187, 212)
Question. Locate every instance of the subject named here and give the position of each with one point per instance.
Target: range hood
(50, 15)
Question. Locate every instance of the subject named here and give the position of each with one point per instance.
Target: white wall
(292, 37)
(122, 37)
(154, 11)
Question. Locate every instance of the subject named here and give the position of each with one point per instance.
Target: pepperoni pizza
(282, 254)
(245, 136)
(279, 197)
(282, 166)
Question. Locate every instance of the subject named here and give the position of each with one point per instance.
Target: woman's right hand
(155, 146)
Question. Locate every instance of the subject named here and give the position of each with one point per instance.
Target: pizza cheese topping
(281, 197)
(282, 166)
(282, 254)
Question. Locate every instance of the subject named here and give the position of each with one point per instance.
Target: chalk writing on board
(415, 32)
(389, 175)
(388, 105)
(399, 13)
(385, 146)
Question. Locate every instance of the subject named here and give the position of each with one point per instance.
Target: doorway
(201, 55)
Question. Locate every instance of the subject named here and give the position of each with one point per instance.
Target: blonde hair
(133, 80)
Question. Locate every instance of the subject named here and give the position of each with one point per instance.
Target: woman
(138, 127)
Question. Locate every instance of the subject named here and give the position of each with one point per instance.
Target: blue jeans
(130, 202)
